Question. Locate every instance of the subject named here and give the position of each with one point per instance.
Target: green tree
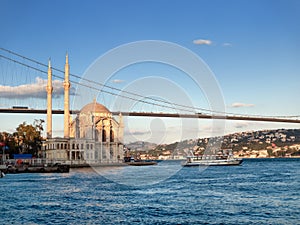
(29, 137)
(10, 142)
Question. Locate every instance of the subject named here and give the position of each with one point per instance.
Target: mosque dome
(94, 107)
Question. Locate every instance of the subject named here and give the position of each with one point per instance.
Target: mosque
(93, 137)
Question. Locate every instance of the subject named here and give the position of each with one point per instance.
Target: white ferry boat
(224, 158)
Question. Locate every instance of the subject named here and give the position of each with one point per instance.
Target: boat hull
(142, 163)
(233, 162)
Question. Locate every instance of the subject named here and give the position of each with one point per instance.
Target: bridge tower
(49, 90)
(67, 100)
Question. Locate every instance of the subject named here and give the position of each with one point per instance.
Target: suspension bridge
(153, 114)
(11, 61)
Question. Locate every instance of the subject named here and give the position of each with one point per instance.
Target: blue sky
(252, 47)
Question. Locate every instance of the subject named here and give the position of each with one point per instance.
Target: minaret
(67, 100)
(49, 90)
(121, 128)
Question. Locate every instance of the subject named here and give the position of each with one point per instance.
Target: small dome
(95, 108)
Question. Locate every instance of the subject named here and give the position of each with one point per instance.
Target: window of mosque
(81, 146)
(57, 146)
(87, 146)
(96, 135)
(61, 146)
(111, 135)
(103, 135)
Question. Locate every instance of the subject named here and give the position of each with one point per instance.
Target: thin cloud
(202, 42)
(33, 90)
(241, 125)
(240, 105)
(117, 81)
(227, 44)
(137, 133)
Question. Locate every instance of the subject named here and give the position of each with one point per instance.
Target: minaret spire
(67, 99)
(121, 128)
(49, 90)
(67, 58)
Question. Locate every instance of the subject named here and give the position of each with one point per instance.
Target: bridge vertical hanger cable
(27, 81)
(2, 71)
(13, 74)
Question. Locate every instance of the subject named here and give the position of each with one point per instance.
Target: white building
(93, 137)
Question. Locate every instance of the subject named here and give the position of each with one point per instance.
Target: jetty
(45, 168)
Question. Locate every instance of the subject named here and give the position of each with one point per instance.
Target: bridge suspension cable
(92, 87)
(157, 102)
(182, 107)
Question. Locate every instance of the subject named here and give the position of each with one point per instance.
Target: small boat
(142, 163)
(223, 158)
(138, 162)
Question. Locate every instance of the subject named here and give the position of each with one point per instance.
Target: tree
(10, 143)
(29, 137)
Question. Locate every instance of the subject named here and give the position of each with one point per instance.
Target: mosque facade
(94, 136)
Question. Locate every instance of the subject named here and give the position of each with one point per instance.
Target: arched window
(57, 146)
(103, 135)
(96, 135)
(111, 135)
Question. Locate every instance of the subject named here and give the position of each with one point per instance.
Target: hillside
(265, 143)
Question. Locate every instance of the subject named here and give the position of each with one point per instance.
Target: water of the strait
(261, 191)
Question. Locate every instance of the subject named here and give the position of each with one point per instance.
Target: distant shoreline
(290, 157)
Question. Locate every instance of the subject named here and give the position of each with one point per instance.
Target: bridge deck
(170, 115)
